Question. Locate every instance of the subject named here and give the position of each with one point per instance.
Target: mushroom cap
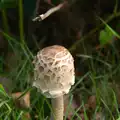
(54, 71)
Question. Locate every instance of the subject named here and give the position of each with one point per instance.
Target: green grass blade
(21, 29)
(68, 107)
(20, 115)
(114, 32)
(5, 21)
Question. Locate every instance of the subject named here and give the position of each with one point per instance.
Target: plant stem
(21, 21)
(58, 108)
(5, 21)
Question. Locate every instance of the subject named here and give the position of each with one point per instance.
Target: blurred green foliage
(8, 4)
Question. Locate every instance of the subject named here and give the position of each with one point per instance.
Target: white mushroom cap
(54, 71)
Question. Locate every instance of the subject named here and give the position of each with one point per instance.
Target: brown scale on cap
(53, 50)
(54, 71)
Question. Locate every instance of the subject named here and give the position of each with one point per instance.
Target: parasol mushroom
(54, 76)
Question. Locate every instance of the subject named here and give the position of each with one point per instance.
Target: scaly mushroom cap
(54, 71)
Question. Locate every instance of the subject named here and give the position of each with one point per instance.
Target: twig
(48, 13)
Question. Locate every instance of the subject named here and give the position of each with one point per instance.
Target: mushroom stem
(58, 108)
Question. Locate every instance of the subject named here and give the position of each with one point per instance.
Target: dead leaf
(23, 102)
(92, 102)
(26, 116)
(98, 116)
(82, 116)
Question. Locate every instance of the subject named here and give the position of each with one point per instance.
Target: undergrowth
(101, 79)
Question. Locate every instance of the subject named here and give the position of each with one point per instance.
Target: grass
(102, 71)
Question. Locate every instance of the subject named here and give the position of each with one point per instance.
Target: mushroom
(54, 76)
